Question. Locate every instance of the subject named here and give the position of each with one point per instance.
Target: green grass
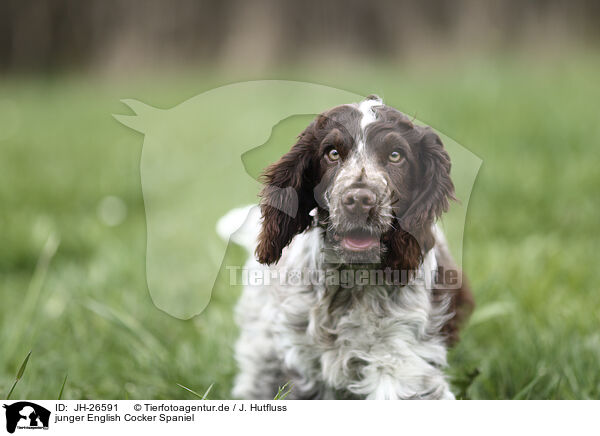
(74, 289)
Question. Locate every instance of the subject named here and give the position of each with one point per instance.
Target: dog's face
(378, 183)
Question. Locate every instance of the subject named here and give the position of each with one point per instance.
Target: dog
(347, 300)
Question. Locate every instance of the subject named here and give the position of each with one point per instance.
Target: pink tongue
(359, 242)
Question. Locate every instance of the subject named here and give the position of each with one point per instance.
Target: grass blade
(193, 392)
(190, 390)
(25, 322)
(150, 346)
(62, 388)
(12, 389)
(207, 391)
(19, 375)
(23, 366)
(202, 397)
(526, 391)
(282, 392)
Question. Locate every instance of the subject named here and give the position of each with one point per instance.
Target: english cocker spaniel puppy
(350, 291)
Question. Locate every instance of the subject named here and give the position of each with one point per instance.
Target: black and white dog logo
(26, 415)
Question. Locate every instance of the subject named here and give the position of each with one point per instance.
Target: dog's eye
(395, 156)
(333, 154)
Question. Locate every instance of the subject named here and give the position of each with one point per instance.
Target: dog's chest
(374, 341)
(363, 335)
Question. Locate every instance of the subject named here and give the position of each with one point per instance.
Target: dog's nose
(359, 201)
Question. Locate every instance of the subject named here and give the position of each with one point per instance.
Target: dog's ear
(287, 199)
(404, 252)
(433, 188)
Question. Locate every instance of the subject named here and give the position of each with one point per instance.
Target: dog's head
(378, 183)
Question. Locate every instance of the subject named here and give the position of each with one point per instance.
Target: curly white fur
(371, 342)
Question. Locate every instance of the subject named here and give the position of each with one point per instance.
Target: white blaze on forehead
(368, 114)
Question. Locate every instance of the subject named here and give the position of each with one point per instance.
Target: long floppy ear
(286, 199)
(404, 252)
(434, 188)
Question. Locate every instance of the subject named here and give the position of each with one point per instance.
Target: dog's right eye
(395, 157)
(333, 154)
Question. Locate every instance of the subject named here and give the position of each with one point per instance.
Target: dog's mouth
(359, 241)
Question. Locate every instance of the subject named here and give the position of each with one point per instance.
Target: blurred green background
(520, 91)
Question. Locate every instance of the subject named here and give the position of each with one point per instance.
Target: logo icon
(26, 415)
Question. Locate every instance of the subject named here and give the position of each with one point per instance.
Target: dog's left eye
(333, 154)
(395, 156)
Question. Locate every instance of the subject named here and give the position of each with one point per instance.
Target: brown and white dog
(348, 303)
